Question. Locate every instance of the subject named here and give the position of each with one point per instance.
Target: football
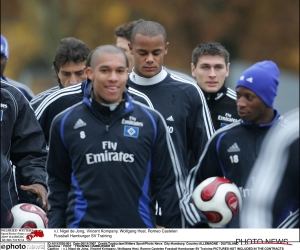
(219, 199)
(27, 215)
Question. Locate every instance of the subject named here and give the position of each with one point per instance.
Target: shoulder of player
(229, 129)
(70, 114)
(21, 86)
(180, 76)
(185, 86)
(44, 94)
(12, 92)
(38, 99)
(153, 112)
(60, 93)
(231, 93)
(58, 97)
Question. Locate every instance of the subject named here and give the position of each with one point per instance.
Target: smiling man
(210, 66)
(232, 150)
(109, 156)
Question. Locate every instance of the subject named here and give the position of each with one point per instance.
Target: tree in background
(250, 30)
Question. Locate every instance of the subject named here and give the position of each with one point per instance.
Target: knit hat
(4, 47)
(262, 79)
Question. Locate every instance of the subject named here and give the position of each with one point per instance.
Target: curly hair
(70, 50)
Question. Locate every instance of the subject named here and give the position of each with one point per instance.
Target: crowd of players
(123, 141)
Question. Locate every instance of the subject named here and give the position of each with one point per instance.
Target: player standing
(180, 102)
(210, 66)
(22, 150)
(115, 156)
(232, 150)
(69, 63)
(275, 203)
(4, 59)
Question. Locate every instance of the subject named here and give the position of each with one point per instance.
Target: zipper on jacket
(107, 128)
(15, 180)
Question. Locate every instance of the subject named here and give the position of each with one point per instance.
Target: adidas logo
(234, 148)
(80, 123)
(250, 79)
(170, 118)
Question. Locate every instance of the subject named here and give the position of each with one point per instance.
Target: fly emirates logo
(109, 154)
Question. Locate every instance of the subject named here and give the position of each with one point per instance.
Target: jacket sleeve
(28, 149)
(59, 176)
(208, 166)
(200, 126)
(164, 178)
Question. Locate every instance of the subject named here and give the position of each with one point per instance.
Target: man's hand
(41, 191)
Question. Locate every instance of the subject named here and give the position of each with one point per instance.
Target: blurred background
(250, 30)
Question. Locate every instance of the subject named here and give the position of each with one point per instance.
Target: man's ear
(85, 69)
(166, 48)
(130, 48)
(227, 69)
(193, 69)
(89, 73)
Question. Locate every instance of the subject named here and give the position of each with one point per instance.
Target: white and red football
(27, 215)
(219, 199)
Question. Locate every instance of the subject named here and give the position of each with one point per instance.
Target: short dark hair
(125, 29)
(111, 49)
(209, 48)
(70, 49)
(148, 28)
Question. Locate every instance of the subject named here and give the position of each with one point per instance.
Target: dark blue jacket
(230, 153)
(106, 167)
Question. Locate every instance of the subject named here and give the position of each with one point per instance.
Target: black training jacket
(22, 145)
(57, 102)
(222, 107)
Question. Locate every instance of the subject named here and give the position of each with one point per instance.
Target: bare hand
(41, 191)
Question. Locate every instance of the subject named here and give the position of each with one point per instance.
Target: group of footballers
(123, 141)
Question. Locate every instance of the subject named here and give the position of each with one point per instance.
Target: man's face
(108, 75)
(210, 72)
(71, 73)
(122, 43)
(3, 64)
(250, 106)
(148, 54)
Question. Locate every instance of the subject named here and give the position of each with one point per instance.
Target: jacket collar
(216, 96)
(126, 103)
(277, 118)
(148, 81)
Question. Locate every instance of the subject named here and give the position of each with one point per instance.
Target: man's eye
(80, 73)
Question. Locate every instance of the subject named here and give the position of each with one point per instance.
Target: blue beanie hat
(4, 47)
(262, 79)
